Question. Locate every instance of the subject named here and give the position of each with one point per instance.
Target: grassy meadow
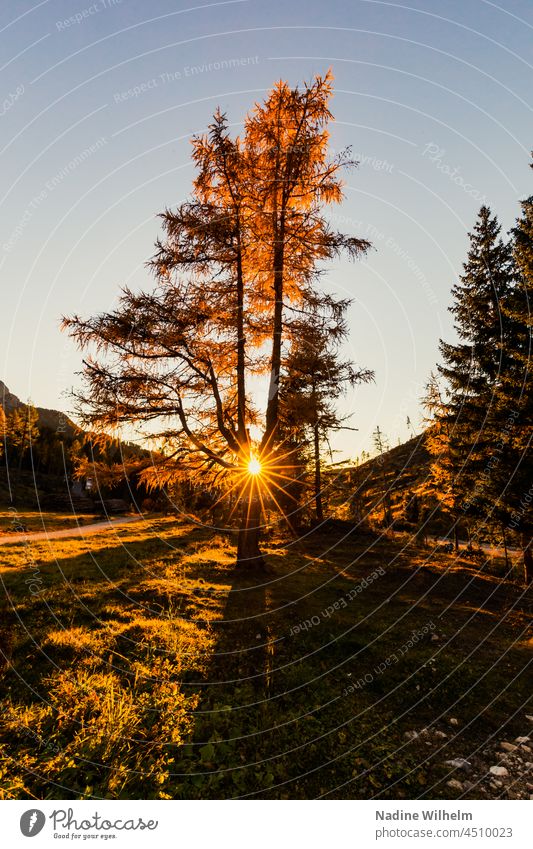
(37, 521)
(139, 663)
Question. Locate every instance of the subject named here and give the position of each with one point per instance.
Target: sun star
(254, 466)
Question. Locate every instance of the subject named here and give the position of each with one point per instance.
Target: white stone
(410, 735)
(459, 763)
(498, 770)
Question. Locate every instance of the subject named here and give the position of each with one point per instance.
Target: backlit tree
(235, 262)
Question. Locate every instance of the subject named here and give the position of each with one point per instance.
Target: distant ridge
(53, 419)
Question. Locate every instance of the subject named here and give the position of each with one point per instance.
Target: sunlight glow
(263, 477)
(254, 466)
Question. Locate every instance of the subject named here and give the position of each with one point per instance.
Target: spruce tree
(22, 431)
(382, 446)
(468, 418)
(315, 376)
(515, 394)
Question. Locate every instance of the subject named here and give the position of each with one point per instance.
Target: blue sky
(100, 100)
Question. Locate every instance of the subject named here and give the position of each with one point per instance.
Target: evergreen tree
(381, 444)
(315, 377)
(515, 395)
(467, 416)
(22, 431)
(3, 430)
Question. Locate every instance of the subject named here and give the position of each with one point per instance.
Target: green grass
(35, 521)
(141, 664)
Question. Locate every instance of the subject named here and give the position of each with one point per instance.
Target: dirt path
(76, 531)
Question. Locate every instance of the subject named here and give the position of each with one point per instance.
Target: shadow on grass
(196, 645)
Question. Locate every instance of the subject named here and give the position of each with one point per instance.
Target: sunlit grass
(34, 521)
(125, 684)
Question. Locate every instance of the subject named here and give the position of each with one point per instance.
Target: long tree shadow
(233, 700)
(262, 698)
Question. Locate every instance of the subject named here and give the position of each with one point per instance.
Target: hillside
(52, 419)
(389, 482)
(42, 475)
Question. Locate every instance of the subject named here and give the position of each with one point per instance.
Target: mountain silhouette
(53, 419)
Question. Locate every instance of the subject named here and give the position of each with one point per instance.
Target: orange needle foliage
(237, 262)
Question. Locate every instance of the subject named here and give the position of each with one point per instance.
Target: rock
(529, 718)
(453, 721)
(410, 735)
(499, 770)
(459, 763)
(454, 784)
(522, 740)
(434, 638)
(441, 735)
(508, 747)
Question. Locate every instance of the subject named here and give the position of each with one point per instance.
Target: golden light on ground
(254, 466)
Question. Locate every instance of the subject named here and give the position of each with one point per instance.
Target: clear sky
(100, 100)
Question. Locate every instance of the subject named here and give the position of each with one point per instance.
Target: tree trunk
(319, 511)
(241, 356)
(505, 548)
(248, 552)
(456, 536)
(527, 544)
(272, 410)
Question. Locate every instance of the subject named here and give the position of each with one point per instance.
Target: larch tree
(235, 261)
